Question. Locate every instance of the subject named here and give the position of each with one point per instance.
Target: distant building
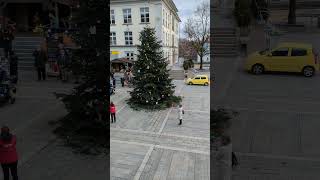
(129, 17)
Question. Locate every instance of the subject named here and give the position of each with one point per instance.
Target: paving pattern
(275, 134)
(151, 145)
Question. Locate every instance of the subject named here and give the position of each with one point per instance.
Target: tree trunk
(201, 59)
(292, 12)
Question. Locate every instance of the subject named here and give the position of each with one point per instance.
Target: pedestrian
(6, 41)
(234, 160)
(122, 81)
(113, 112)
(63, 64)
(14, 66)
(180, 114)
(41, 58)
(8, 154)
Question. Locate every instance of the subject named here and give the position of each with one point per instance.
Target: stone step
(23, 46)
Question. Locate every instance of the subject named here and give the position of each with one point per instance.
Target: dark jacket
(13, 65)
(40, 58)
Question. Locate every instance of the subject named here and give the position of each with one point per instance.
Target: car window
(203, 78)
(280, 52)
(197, 78)
(298, 52)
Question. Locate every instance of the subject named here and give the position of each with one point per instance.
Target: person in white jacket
(180, 114)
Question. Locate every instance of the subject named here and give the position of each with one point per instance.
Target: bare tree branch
(197, 30)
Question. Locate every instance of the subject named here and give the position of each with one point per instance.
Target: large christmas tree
(85, 126)
(153, 88)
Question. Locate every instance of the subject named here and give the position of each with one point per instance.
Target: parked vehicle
(287, 57)
(198, 80)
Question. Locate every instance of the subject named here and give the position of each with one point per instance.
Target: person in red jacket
(8, 154)
(113, 112)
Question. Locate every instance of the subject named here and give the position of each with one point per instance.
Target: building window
(112, 17)
(144, 12)
(128, 38)
(164, 38)
(163, 17)
(172, 40)
(127, 19)
(129, 55)
(113, 38)
(172, 23)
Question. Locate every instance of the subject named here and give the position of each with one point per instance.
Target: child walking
(113, 112)
(180, 113)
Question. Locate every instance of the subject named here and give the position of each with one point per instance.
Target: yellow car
(287, 57)
(198, 79)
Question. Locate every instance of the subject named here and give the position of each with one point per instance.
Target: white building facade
(129, 17)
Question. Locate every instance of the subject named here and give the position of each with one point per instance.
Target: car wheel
(190, 83)
(206, 84)
(308, 71)
(257, 69)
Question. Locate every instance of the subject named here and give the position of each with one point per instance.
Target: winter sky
(186, 9)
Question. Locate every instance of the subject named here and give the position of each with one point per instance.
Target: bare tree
(186, 50)
(197, 30)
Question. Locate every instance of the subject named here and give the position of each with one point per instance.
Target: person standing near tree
(41, 58)
(6, 41)
(14, 66)
(113, 112)
(180, 114)
(8, 154)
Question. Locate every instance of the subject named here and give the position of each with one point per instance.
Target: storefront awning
(122, 60)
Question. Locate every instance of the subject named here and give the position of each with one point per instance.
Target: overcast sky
(186, 9)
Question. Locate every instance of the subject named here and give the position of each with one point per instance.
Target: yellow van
(198, 79)
(287, 57)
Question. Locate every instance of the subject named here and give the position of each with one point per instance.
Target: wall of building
(159, 14)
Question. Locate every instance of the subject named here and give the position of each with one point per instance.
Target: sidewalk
(151, 145)
(42, 154)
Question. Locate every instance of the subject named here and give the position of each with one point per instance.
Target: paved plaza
(41, 154)
(151, 145)
(275, 134)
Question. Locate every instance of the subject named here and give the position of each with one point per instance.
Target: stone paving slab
(196, 124)
(140, 120)
(277, 133)
(189, 143)
(55, 162)
(171, 165)
(168, 152)
(277, 167)
(125, 160)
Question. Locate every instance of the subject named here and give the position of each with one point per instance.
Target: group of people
(127, 78)
(63, 62)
